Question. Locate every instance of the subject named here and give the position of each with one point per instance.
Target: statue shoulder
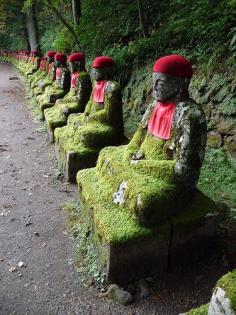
(190, 110)
(112, 86)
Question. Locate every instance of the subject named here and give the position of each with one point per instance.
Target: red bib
(160, 122)
(99, 92)
(58, 73)
(74, 79)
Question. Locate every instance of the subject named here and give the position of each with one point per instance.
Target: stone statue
(40, 74)
(60, 86)
(100, 125)
(49, 76)
(35, 63)
(76, 100)
(155, 175)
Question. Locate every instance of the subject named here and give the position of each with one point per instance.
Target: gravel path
(33, 231)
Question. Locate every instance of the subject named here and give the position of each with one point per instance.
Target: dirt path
(32, 231)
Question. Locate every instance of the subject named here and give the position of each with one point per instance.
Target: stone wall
(216, 93)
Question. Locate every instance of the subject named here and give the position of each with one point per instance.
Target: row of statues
(156, 173)
(139, 203)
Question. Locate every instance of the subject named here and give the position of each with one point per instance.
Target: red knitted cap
(34, 52)
(51, 54)
(103, 61)
(60, 57)
(76, 57)
(174, 65)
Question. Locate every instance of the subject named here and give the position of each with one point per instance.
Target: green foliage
(218, 177)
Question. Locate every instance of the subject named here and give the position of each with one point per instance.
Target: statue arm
(65, 80)
(88, 107)
(135, 143)
(191, 147)
(84, 90)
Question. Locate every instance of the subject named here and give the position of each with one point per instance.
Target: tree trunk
(25, 31)
(76, 9)
(32, 28)
(141, 18)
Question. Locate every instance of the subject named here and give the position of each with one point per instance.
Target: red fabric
(60, 57)
(76, 57)
(99, 92)
(103, 61)
(160, 122)
(51, 54)
(58, 73)
(174, 65)
(74, 79)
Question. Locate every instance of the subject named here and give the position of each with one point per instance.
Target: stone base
(70, 163)
(50, 130)
(128, 254)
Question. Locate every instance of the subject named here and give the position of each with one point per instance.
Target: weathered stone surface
(220, 304)
(144, 289)
(230, 144)
(119, 295)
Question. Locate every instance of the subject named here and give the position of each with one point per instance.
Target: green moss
(71, 103)
(201, 207)
(228, 284)
(150, 191)
(202, 310)
(108, 215)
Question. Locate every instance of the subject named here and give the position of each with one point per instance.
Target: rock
(230, 145)
(220, 304)
(119, 295)
(144, 289)
(36, 233)
(21, 264)
(12, 269)
(214, 140)
(89, 283)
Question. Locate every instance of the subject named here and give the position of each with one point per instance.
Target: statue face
(166, 87)
(58, 64)
(101, 74)
(50, 60)
(76, 66)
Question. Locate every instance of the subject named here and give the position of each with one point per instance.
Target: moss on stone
(100, 125)
(71, 103)
(202, 310)
(228, 284)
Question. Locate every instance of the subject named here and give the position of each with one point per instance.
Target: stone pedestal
(128, 251)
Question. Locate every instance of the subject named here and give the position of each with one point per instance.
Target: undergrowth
(218, 178)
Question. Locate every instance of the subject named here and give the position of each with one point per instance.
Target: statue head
(103, 68)
(35, 53)
(60, 60)
(50, 56)
(171, 78)
(76, 62)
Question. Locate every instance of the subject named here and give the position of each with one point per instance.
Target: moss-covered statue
(60, 86)
(40, 74)
(101, 124)
(28, 62)
(48, 78)
(76, 100)
(155, 175)
(35, 63)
